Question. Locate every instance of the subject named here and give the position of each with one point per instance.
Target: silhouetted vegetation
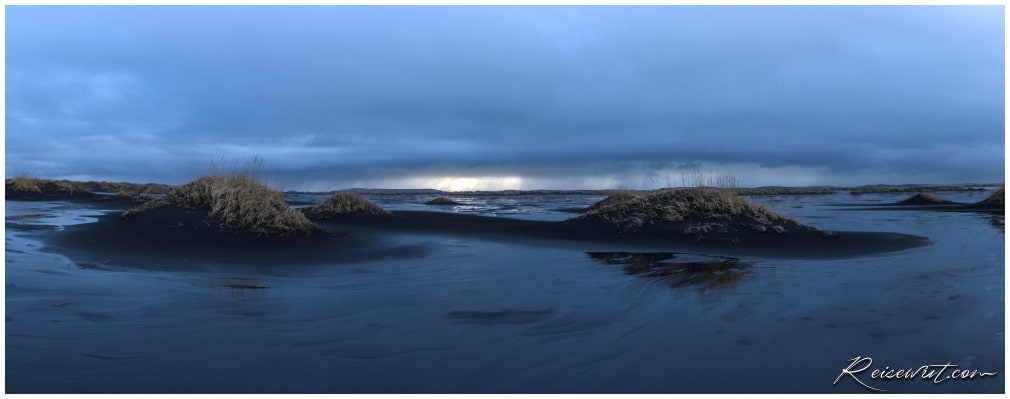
(442, 201)
(344, 203)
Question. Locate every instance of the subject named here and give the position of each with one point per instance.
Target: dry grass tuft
(23, 184)
(996, 199)
(237, 202)
(613, 199)
(134, 195)
(344, 203)
(710, 208)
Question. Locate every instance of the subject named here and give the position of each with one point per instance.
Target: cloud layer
(540, 97)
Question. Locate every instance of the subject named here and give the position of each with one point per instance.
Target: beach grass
(23, 183)
(132, 195)
(344, 203)
(996, 199)
(239, 202)
(27, 184)
(614, 199)
(704, 209)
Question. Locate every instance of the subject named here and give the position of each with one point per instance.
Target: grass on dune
(134, 195)
(23, 184)
(238, 202)
(344, 203)
(996, 199)
(704, 209)
(26, 184)
(613, 199)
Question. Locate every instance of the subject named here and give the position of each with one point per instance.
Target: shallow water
(479, 316)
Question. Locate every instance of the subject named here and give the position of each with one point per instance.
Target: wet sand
(665, 237)
(478, 306)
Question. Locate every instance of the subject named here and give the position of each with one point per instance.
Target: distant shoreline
(227, 220)
(79, 187)
(763, 190)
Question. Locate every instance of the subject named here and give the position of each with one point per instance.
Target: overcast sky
(508, 97)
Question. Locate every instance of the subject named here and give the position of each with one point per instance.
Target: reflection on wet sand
(237, 285)
(507, 316)
(998, 221)
(704, 274)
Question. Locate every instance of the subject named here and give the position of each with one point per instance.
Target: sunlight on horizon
(482, 183)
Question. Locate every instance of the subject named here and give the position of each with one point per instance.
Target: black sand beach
(433, 299)
(667, 237)
(654, 199)
(175, 237)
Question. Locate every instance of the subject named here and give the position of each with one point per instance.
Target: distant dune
(27, 188)
(924, 199)
(21, 186)
(443, 201)
(344, 203)
(905, 188)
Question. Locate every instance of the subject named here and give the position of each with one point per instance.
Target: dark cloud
(556, 96)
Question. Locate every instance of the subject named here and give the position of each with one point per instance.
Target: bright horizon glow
(744, 176)
(484, 183)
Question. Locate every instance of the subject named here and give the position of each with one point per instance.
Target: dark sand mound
(924, 199)
(699, 211)
(995, 200)
(613, 199)
(931, 202)
(594, 235)
(911, 188)
(172, 237)
(344, 203)
(237, 203)
(442, 201)
(216, 221)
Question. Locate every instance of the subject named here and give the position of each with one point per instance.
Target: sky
(489, 98)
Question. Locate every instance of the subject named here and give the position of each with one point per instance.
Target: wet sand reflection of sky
(702, 273)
